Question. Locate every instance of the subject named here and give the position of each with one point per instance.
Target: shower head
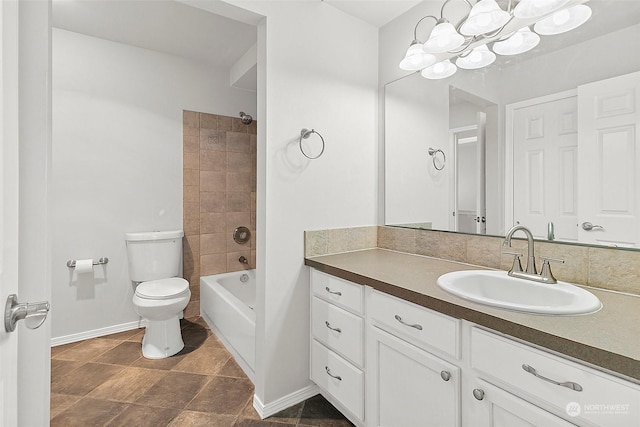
(246, 118)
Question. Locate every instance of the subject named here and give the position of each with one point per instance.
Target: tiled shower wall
(219, 195)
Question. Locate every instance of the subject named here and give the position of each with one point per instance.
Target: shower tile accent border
(599, 267)
(218, 195)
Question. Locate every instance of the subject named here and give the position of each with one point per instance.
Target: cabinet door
(409, 387)
(490, 406)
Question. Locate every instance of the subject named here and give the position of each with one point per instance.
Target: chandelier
(466, 45)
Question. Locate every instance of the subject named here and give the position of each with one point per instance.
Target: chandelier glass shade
(485, 17)
(443, 38)
(488, 29)
(521, 41)
(563, 20)
(416, 58)
(527, 9)
(479, 57)
(441, 70)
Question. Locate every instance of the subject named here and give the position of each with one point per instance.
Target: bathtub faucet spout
(243, 259)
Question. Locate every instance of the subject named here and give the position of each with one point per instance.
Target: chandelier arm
(499, 30)
(462, 48)
(415, 29)
(447, 2)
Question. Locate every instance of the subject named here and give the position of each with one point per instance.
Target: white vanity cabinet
(407, 384)
(386, 362)
(573, 391)
(337, 343)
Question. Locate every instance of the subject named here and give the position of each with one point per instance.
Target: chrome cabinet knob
(445, 375)
(478, 393)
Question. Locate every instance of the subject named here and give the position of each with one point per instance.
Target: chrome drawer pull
(337, 377)
(338, 330)
(399, 319)
(333, 292)
(567, 384)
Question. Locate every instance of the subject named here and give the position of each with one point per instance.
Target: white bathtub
(226, 304)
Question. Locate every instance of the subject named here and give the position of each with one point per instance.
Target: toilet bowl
(160, 295)
(161, 302)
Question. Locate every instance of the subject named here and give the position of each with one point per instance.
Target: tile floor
(106, 382)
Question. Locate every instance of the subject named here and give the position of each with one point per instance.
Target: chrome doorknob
(587, 226)
(34, 314)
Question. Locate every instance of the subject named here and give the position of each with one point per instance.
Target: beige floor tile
(128, 385)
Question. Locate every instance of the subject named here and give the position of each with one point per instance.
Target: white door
(24, 249)
(609, 158)
(468, 182)
(481, 180)
(545, 162)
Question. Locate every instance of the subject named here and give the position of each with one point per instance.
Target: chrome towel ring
(434, 153)
(305, 134)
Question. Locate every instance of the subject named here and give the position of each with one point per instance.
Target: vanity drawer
(338, 329)
(603, 400)
(338, 377)
(414, 323)
(337, 291)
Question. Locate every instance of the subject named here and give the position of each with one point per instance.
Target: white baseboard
(95, 333)
(284, 402)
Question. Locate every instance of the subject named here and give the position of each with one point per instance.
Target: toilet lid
(163, 288)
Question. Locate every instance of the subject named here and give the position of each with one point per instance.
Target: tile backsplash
(606, 268)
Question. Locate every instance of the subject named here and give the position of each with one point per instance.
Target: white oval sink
(497, 289)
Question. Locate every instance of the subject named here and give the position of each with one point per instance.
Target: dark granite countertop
(608, 339)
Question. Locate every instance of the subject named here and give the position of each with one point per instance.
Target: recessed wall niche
(219, 195)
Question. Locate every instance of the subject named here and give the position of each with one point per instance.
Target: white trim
(95, 333)
(508, 144)
(284, 402)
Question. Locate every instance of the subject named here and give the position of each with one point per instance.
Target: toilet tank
(154, 255)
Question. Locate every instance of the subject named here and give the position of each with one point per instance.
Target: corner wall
(317, 68)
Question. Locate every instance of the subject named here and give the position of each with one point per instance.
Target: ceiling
(162, 25)
(375, 12)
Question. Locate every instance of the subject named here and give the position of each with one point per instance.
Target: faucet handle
(546, 274)
(516, 266)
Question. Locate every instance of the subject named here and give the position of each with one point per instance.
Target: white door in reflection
(468, 187)
(609, 155)
(545, 144)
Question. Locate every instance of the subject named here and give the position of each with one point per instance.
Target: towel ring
(433, 153)
(306, 133)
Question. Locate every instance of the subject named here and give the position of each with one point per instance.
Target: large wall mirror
(548, 139)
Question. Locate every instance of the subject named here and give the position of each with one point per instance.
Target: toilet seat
(162, 289)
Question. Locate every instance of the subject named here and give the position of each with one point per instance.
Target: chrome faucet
(531, 261)
(531, 273)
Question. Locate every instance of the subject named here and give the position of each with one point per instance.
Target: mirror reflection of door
(469, 119)
(468, 183)
(545, 146)
(575, 163)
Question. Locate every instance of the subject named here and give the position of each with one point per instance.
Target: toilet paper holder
(104, 260)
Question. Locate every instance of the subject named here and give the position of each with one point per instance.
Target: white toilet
(160, 296)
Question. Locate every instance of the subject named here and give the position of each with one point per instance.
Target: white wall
(316, 69)
(117, 164)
